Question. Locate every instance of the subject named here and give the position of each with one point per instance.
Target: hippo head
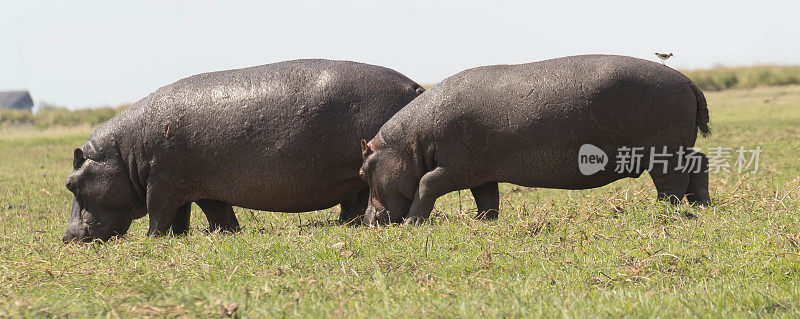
(104, 201)
(389, 194)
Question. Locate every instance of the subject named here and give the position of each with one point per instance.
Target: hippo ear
(77, 158)
(364, 149)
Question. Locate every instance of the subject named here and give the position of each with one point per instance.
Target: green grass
(552, 253)
(721, 78)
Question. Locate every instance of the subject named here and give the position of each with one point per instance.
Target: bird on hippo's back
(663, 56)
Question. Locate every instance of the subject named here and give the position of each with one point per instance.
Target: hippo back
(529, 120)
(279, 137)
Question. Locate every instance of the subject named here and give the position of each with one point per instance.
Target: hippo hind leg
(180, 225)
(697, 191)
(671, 185)
(220, 215)
(352, 209)
(487, 198)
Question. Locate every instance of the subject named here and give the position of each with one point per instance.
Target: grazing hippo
(525, 124)
(278, 137)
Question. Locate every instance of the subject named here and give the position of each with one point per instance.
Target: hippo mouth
(84, 226)
(376, 213)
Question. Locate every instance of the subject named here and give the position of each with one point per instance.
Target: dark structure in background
(18, 100)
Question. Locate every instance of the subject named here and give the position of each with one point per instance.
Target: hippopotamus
(279, 137)
(526, 124)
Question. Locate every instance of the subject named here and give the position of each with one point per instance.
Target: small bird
(663, 56)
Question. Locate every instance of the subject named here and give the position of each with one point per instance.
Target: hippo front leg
(181, 223)
(162, 209)
(432, 185)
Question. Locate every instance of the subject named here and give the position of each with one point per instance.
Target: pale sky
(96, 53)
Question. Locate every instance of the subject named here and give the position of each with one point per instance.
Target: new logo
(591, 159)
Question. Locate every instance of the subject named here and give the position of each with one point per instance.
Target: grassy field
(58, 116)
(746, 77)
(605, 252)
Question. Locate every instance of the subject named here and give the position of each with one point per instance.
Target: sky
(105, 53)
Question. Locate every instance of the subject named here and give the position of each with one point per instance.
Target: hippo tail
(702, 117)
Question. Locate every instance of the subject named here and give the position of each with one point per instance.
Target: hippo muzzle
(86, 226)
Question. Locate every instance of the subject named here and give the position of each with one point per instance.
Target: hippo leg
(220, 215)
(181, 223)
(671, 185)
(161, 208)
(352, 209)
(432, 185)
(697, 192)
(487, 198)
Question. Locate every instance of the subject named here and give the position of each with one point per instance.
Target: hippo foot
(180, 226)
(413, 220)
(223, 230)
(491, 214)
(698, 199)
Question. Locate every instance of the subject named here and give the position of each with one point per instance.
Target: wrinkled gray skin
(278, 137)
(524, 124)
